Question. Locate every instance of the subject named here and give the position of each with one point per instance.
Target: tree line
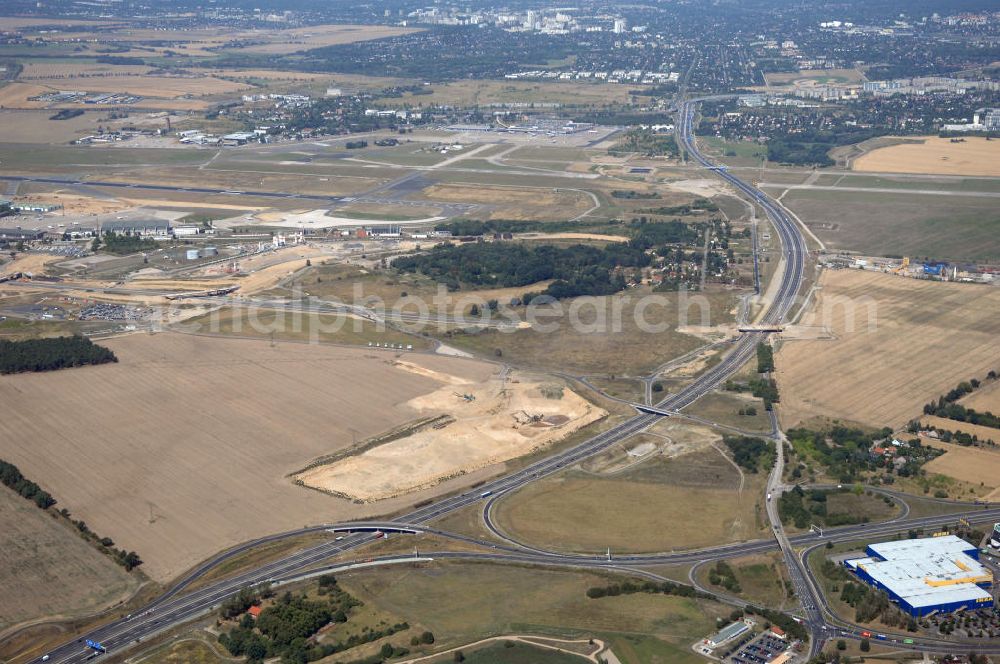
(946, 405)
(652, 587)
(959, 413)
(51, 354)
(12, 478)
(765, 358)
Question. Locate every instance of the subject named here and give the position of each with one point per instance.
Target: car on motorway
(866, 635)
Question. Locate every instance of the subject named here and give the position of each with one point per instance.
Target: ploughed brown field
(972, 155)
(926, 337)
(184, 447)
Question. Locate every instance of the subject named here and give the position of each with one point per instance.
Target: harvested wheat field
(928, 336)
(979, 431)
(184, 447)
(497, 420)
(973, 155)
(15, 95)
(50, 568)
(986, 398)
(968, 464)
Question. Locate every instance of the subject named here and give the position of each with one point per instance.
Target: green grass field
(904, 183)
(189, 651)
(660, 504)
(916, 225)
(762, 578)
(463, 602)
(652, 650)
(735, 153)
(594, 348)
(64, 156)
(724, 408)
(518, 653)
(289, 326)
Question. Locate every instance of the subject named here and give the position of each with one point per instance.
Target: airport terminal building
(925, 576)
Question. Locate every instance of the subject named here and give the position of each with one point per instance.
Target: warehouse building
(925, 576)
(141, 227)
(20, 235)
(727, 633)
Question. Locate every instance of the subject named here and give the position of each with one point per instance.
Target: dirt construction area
(496, 420)
(935, 155)
(898, 343)
(185, 446)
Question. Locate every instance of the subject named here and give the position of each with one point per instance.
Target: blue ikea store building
(929, 575)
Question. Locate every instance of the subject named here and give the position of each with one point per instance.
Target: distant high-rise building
(620, 26)
(532, 22)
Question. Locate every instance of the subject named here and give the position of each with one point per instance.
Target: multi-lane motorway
(180, 604)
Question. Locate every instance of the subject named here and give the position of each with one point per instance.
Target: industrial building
(727, 633)
(141, 227)
(36, 207)
(20, 234)
(925, 576)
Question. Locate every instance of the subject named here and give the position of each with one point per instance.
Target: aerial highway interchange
(179, 605)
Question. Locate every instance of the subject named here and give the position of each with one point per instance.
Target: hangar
(925, 576)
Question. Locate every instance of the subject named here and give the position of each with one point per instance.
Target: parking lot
(761, 650)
